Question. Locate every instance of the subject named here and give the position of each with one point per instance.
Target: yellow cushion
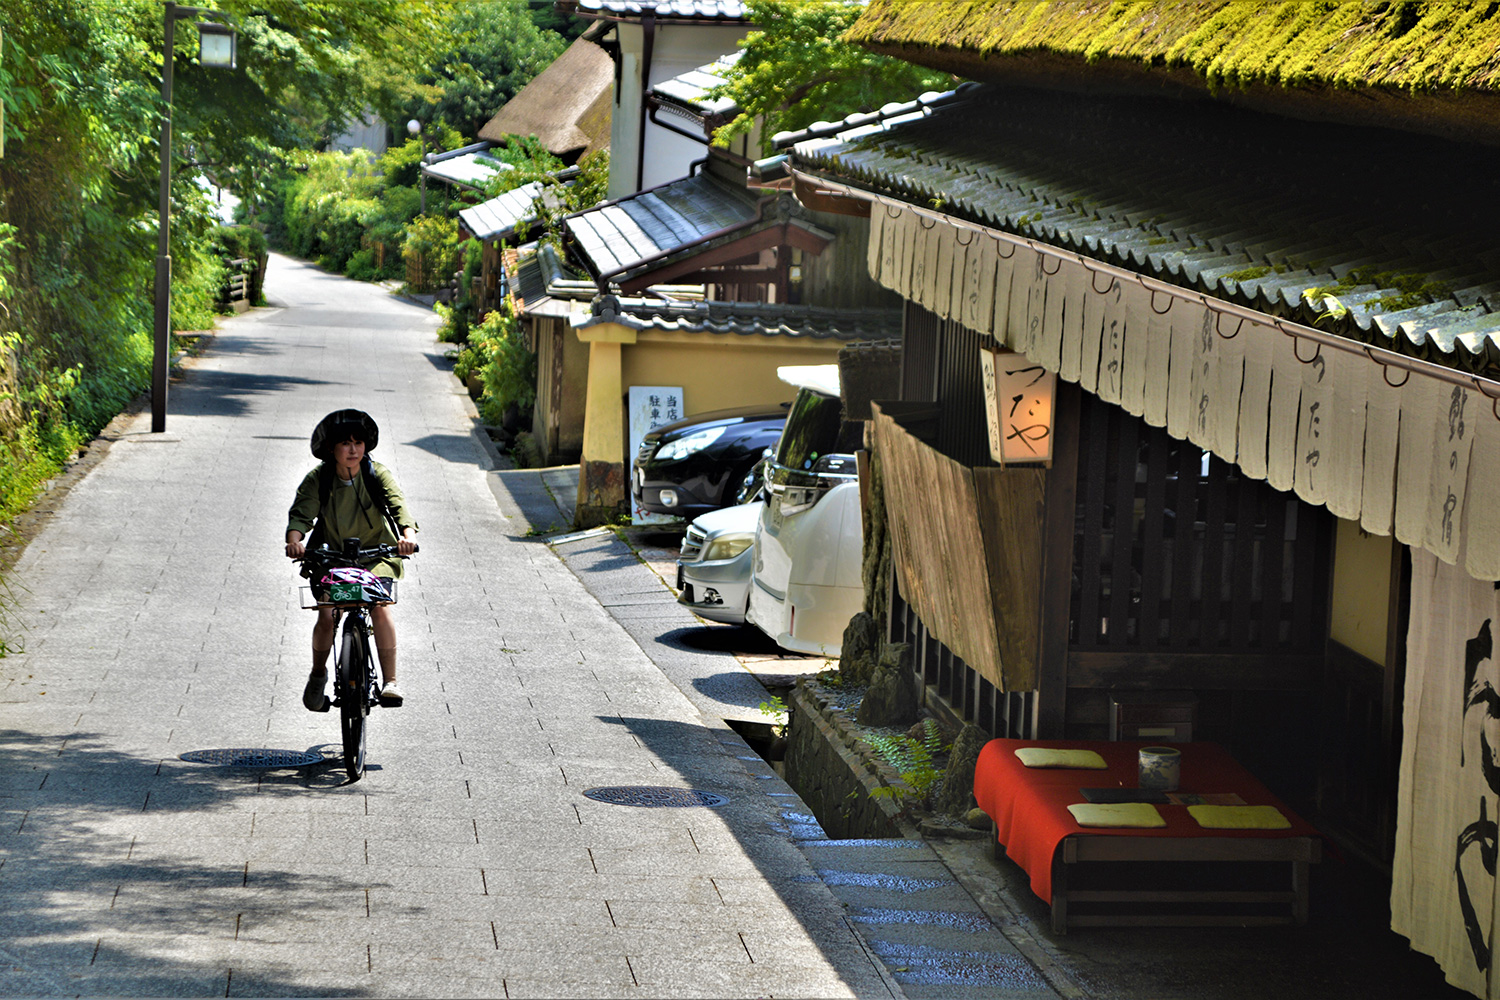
(1142, 814)
(1044, 757)
(1239, 817)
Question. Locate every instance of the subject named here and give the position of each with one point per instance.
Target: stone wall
(834, 779)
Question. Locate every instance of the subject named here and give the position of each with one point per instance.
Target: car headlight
(685, 446)
(727, 547)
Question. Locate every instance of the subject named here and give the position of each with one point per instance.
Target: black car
(698, 464)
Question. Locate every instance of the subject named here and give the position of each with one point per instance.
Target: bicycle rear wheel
(353, 666)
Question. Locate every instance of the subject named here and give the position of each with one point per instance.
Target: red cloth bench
(1029, 807)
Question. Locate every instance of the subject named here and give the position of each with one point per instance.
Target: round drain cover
(653, 796)
(253, 757)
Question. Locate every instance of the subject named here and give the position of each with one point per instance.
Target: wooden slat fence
(1178, 551)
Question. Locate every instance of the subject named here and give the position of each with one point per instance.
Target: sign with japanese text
(651, 406)
(1018, 396)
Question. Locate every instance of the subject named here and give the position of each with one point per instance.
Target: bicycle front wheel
(354, 658)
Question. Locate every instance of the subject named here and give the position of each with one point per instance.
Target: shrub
(361, 265)
(499, 355)
(242, 243)
(431, 252)
(454, 330)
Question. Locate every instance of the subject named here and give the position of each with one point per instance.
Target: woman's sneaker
(390, 695)
(314, 696)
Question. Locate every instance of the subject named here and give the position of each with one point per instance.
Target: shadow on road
(67, 806)
(228, 393)
(452, 447)
(738, 639)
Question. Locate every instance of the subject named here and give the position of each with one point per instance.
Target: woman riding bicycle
(349, 496)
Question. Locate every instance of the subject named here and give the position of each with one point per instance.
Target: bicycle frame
(356, 688)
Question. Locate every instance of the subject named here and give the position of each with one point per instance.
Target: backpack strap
(318, 535)
(382, 499)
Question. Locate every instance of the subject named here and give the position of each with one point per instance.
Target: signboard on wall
(1018, 395)
(651, 406)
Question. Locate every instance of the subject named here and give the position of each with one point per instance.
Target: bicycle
(356, 687)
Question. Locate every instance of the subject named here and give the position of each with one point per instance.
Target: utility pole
(216, 49)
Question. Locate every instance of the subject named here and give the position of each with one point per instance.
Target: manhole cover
(653, 796)
(253, 757)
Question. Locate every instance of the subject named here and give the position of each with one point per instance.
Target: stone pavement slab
(930, 937)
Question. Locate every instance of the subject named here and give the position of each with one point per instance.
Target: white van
(809, 541)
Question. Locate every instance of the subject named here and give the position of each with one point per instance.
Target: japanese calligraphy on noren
(1018, 402)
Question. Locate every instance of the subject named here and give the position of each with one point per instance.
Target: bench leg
(1300, 872)
(1059, 897)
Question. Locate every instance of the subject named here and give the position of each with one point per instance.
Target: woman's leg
(384, 624)
(314, 694)
(322, 640)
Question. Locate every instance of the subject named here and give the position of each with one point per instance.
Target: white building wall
(677, 49)
(368, 133)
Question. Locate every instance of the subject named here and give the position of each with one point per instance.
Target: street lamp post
(414, 127)
(216, 49)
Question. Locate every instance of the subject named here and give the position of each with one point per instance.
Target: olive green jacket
(353, 513)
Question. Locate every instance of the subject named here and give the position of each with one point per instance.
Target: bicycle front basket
(350, 584)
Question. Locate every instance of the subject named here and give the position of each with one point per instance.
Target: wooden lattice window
(1177, 550)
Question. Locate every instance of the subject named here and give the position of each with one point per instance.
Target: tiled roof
(695, 10)
(498, 217)
(539, 283)
(745, 319)
(469, 170)
(690, 90)
(1396, 231)
(633, 229)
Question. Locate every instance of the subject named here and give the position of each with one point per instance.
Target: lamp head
(216, 45)
(414, 127)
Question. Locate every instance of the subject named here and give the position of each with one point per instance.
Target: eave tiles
(746, 319)
(1381, 236)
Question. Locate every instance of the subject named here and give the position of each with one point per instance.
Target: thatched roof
(567, 105)
(1431, 67)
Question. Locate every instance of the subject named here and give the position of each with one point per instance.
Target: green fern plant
(912, 759)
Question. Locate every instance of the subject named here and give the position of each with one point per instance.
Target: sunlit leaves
(796, 70)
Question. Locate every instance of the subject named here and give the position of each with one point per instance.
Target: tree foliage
(797, 70)
(530, 161)
(80, 81)
(493, 48)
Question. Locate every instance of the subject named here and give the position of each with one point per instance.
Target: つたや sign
(1018, 399)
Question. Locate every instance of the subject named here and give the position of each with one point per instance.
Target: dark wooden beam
(713, 256)
(1195, 671)
(730, 276)
(1057, 565)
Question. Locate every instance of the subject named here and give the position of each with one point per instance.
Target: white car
(809, 538)
(713, 569)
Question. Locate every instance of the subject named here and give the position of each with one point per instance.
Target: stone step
(872, 855)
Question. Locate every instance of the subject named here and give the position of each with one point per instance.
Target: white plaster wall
(677, 49)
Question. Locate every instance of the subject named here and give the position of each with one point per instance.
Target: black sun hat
(341, 425)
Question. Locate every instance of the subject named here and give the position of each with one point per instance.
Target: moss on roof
(1407, 46)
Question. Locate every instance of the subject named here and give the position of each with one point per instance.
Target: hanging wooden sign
(1018, 396)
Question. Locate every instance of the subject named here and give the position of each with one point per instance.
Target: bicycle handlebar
(337, 557)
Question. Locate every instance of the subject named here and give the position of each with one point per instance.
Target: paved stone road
(162, 619)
